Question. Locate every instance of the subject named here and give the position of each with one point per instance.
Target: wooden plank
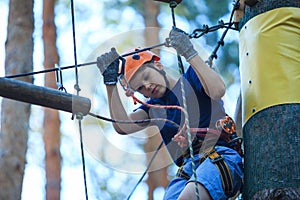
(43, 96)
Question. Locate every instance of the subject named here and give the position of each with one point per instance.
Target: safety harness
(227, 132)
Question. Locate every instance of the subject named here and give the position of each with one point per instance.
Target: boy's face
(149, 82)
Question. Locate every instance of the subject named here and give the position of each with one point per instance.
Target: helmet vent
(136, 57)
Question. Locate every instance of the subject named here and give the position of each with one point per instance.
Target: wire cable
(83, 64)
(79, 116)
(76, 86)
(135, 121)
(146, 170)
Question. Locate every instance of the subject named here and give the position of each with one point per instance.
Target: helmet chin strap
(167, 81)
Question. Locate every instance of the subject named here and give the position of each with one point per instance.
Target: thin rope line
(173, 4)
(146, 170)
(187, 123)
(135, 121)
(74, 46)
(83, 159)
(49, 70)
(77, 88)
(80, 65)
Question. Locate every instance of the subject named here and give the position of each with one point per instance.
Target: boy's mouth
(154, 90)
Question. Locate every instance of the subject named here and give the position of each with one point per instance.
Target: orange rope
(179, 137)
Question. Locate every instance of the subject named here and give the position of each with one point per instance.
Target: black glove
(108, 64)
(180, 41)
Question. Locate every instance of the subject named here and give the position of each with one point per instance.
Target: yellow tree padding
(270, 60)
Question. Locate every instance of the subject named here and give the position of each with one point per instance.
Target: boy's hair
(135, 61)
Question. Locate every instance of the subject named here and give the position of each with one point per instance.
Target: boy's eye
(139, 88)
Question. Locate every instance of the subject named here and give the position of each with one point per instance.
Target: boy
(203, 92)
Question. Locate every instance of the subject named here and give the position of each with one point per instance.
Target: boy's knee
(189, 192)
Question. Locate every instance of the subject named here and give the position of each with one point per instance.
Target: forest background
(114, 163)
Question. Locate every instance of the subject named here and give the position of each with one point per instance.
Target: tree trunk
(15, 115)
(271, 101)
(51, 134)
(157, 174)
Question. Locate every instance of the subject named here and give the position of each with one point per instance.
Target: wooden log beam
(43, 96)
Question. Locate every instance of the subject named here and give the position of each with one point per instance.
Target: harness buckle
(215, 157)
(227, 128)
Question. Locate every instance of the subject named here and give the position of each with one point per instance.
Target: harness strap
(224, 171)
(222, 167)
(181, 173)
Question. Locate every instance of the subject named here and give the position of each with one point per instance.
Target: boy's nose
(148, 86)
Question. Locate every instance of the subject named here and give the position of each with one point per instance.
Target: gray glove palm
(108, 65)
(181, 42)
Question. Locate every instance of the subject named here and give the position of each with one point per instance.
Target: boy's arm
(118, 112)
(108, 65)
(211, 81)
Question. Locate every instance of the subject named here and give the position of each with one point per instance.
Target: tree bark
(271, 135)
(271, 148)
(15, 115)
(51, 134)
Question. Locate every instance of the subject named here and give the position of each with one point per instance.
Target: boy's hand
(108, 65)
(181, 42)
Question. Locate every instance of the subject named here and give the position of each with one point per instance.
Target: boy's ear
(158, 65)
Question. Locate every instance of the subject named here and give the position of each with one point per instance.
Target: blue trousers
(208, 175)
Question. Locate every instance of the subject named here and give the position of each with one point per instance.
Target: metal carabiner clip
(124, 82)
(122, 79)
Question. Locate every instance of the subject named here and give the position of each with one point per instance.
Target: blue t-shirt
(202, 111)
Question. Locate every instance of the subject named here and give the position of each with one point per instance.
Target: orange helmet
(135, 61)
